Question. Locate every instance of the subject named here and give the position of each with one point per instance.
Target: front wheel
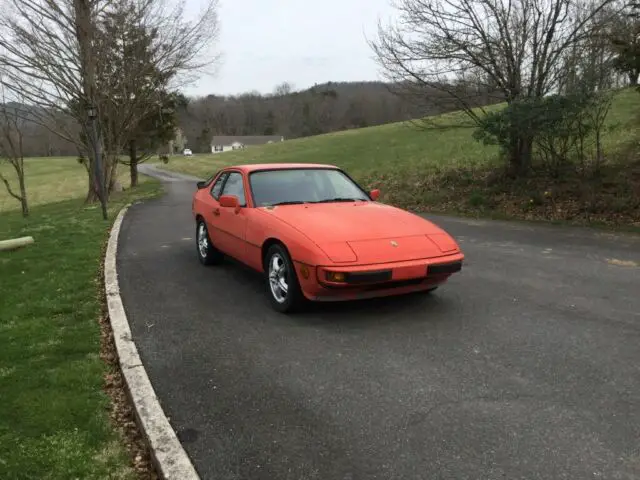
(207, 253)
(282, 284)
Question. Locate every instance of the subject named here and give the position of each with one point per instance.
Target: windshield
(303, 185)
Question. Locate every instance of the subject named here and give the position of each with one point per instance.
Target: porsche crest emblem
(394, 243)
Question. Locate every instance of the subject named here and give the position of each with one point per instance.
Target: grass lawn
(52, 179)
(385, 148)
(54, 413)
(446, 170)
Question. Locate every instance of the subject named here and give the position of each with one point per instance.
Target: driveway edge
(170, 459)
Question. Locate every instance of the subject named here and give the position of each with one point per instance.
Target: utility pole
(85, 36)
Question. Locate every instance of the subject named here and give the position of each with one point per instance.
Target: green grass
(397, 147)
(52, 179)
(384, 148)
(54, 419)
(445, 170)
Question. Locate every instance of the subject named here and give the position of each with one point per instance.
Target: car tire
(208, 254)
(281, 280)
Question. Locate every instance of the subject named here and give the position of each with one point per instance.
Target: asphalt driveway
(526, 365)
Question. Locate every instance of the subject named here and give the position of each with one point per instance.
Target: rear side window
(217, 186)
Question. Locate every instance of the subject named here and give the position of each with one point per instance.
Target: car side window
(234, 186)
(217, 186)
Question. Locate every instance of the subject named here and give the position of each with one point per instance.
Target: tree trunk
(93, 191)
(526, 152)
(23, 194)
(92, 187)
(133, 164)
(111, 173)
(520, 153)
(84, 32)
(133, 171)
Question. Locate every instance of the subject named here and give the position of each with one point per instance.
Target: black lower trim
(396, 284)
(357, 278)
(444, 268)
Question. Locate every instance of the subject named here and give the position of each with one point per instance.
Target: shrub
(564, 130)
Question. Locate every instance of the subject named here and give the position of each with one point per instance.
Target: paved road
(525, 366)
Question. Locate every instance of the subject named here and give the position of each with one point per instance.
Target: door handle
(216, 212)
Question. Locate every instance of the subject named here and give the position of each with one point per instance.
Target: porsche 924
(315, 234)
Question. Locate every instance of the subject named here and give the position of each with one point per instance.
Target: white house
(221, 144)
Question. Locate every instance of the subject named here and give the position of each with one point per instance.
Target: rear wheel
(282, 284)
(207, 253)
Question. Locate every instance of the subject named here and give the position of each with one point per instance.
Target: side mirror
(230, 201)
(201, 184)
(374, 194)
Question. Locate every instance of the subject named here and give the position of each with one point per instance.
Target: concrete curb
(170, 458)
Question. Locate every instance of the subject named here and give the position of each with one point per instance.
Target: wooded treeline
(323, 108)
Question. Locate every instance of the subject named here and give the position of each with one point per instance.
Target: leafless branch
(12, 150)
(496, 48)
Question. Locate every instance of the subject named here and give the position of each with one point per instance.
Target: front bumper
(384, 279)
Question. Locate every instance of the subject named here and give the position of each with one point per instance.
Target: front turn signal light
(336, 276)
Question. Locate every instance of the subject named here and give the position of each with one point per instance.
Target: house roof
(246, 140)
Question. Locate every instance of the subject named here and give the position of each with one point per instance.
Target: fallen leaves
(613, 199)
(121, 412)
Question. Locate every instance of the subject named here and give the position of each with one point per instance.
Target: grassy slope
(52, 179)
(54, 419)
(442, 169)
(384, 148)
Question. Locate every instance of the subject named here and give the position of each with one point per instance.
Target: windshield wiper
(340, 199)
(290, 202)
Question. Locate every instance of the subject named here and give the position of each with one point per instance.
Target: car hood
(363, 231)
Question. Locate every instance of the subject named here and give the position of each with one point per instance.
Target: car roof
(248, 168)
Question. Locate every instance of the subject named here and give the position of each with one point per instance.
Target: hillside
(445, 170)
(323, 108)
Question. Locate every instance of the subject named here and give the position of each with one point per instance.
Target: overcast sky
(267, 42)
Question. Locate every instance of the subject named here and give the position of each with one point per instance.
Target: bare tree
(47, 55)
(150, 56)
(49, 51)
(12, 151)
(512, 47)
(625, 38)
(587, 65)
(285, 88)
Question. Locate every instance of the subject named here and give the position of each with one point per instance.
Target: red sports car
(316, 234)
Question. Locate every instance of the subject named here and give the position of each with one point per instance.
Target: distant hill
(323, 108)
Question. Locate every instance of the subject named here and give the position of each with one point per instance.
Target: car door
(232, 222)
(211, 211)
